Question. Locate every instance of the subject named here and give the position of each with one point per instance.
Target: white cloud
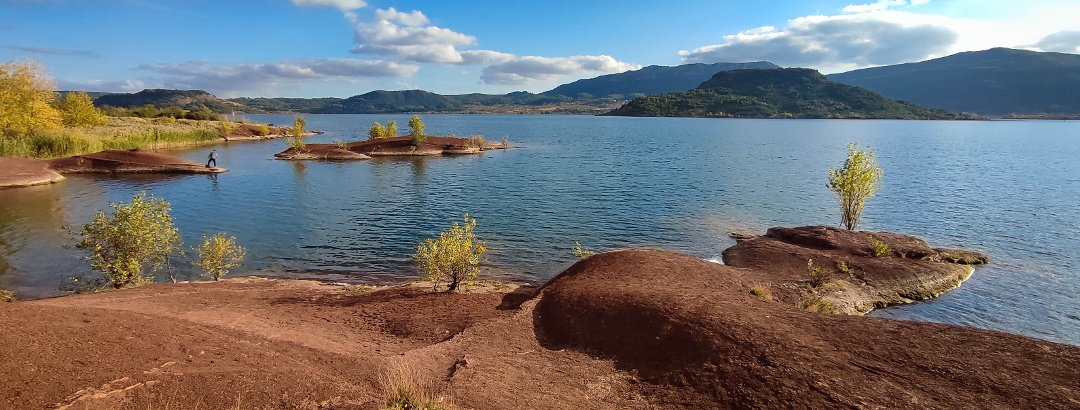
(1065, 41)
(860, 39)
(485, 57)
(229, 79)
(530, 68)
(407, 36)
(343, 5)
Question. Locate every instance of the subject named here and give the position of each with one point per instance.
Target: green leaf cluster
(857, 180)
(217, 254)
(416, 130)
(454, 257)
(132, 243)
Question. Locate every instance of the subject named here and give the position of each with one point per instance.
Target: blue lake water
(1006, 188)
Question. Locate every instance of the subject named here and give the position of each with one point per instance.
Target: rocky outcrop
(131, 161)
(851, 279)
(20, 172)
(328, 154)
(392, 147)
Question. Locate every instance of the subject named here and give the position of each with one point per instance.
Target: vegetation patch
(762, 290)
(403, 390)
(818, 275)
(6, 296)
(453, 258)
(878, 248)
(581, 253)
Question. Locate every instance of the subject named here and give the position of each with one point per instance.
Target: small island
(383, 141)
(776, 93)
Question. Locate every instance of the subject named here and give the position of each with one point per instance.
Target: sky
(340, 48)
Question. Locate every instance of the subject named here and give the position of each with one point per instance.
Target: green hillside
(650, 80)
(775, 93)
(997, 82)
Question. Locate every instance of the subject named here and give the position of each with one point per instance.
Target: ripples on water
(1005, 188)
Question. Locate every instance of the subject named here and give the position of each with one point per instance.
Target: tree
(26, 96)
(416, 130)
(454, 257)
(77, 110)
(391, 129)
(376, 131)
(858, 180)
(218, 254)
(136, 236)
(298, 133)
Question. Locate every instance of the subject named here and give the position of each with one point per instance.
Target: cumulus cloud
(1066, 41)
(232, 78)
(867, 35)
(54, 51)
(527, 69)
(408, 36)
(343, 5)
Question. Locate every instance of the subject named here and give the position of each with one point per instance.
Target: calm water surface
(1006, 188)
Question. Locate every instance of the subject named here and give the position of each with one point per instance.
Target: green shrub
(816, 304)
(453, 258)
(297, 141)
(843, 267)
(137, 236)
(858, 180)
(262, 130)
(391, 129)
(77, 110)
(580, 252)
(818, 275)
(218, 254)
(416, 130)
(225, 128)
(377, 131)
(878, 248)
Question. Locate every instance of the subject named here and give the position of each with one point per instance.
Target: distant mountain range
(650, 80)
(776, 93)
(993, 82)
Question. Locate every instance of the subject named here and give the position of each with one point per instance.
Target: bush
(297, 141)
(454, 257)
(26, 97)
(136, 236)
(878, 248)
(391, 129)
(818, 275)
(858, 180)
(77, 110)
(218, 254)
(225, 128)
(816, 304)
(377, 131)
(7, 296)
(416, 130)
(580, 252)
(843, 267)
(262, 130)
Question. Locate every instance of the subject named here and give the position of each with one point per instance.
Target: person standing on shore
(213, 158)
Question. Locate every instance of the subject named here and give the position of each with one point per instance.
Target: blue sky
(340, 48)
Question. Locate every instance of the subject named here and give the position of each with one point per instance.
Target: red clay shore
(385, 147)
(627, 329)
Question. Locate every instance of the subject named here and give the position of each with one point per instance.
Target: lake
(1005, 188)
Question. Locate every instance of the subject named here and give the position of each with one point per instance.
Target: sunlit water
(1008, 189)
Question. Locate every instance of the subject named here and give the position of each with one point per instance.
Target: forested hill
(650, 80)
(186, 99)
(994, 82)
(776, 93)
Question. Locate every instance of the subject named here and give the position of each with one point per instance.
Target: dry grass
(762, 290)
(403, 390)
(7, 296)
(118, 133)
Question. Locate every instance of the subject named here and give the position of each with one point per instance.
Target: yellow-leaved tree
(78, 110)
(26, 96)
(218, 254)
(377, 131)
(454, 257)
(137, 236)
(857, 180)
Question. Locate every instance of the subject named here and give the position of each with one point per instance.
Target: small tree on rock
(857, 180)
(452, 258)
(133, 242)
(376, 131)
(298, 134)
(218, 254)
(391, 129)
(416, 130)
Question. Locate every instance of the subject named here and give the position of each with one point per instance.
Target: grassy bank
(118, 133)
